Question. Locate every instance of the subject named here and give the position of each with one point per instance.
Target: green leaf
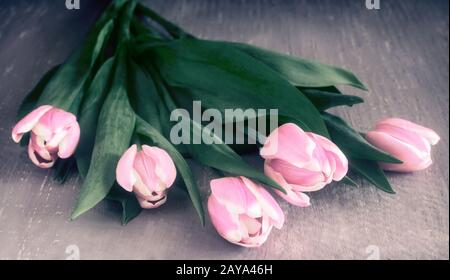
(125, 20)
(324, 100)
(89, 113)
(144, 96)
(303, 72)
(65, 90)
(349, 181)
(159, 140)
(112, 138)
(223, 77)
(28, 104)
(352, 143)
(300, 72)
(147, 103)
(330, 89)
(373, 173)
(130, 206)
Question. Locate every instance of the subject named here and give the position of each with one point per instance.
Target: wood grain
(400, 51)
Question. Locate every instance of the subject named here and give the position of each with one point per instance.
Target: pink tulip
(407, 141)
(54, 133)
(243, 212)
(301, 162)
(148, 173)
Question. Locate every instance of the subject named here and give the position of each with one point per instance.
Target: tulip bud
(301, 162)
(243, 212)
(407, 141)
(54, 133)
(148, 173)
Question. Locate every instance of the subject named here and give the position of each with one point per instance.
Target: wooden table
(399, 51)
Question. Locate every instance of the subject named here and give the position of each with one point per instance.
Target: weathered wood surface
(400, 51)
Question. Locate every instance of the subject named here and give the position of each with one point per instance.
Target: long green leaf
(125, 18)
(352, 143)
(147, 102)
(373, 173)
(113, 137)
(144, 96)
(324, 100)
(89, 115)
(302, 72)
(159, 140)
(222, 77)
(349, 181)
(329, 89)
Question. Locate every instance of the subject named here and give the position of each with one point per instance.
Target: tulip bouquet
(109, 113)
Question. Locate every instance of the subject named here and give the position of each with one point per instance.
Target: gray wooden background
(400, 51)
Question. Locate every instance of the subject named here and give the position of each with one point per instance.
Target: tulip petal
(429, 134)
(141, 189)
(427, 162)
(320, 161)
(53, 140)
(295, 198)
(145, 166)
(406, 136)
(28, 122)
(268, 204)
(284, 142)
(258, 239)
(68, 145)
(230, 191)
(413, 159)
(125, 170)
(148, 204)
(251, 224)
(37, 159)
(295, 175)
(340, 160)
(57, 120)
(165, 168)
(38, 145)
(225, 222)
(291, 196)
(254, 209)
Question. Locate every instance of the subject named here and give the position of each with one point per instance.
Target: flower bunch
(109, 111)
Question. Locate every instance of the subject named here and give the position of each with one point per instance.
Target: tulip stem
(136, 139)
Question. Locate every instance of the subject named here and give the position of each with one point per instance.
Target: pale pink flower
(407, 141)
(54, 133)
(301, 162)
(148, 173)
(242, 211)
